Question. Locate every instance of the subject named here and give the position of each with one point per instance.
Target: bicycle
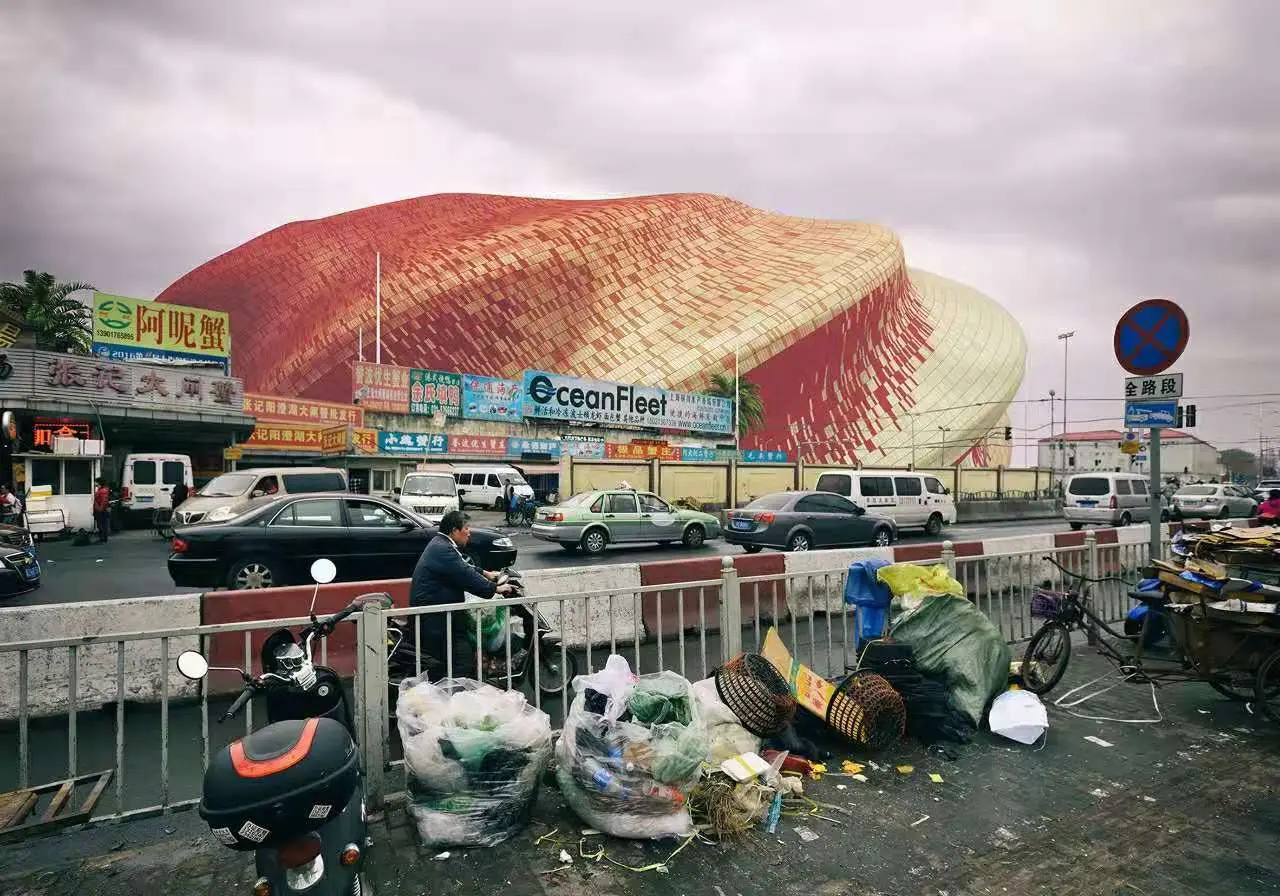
(1071, 609)
(522, 512)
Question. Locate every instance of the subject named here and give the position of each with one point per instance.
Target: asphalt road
(132, 564)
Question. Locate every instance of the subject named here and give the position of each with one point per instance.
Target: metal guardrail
(158, 751)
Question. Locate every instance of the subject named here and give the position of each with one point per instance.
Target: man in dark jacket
(443, 576)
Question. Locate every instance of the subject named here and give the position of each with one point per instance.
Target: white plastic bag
(1018, 715)
(727, 736)
(474, 755)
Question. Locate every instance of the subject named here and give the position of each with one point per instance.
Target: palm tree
(58, 321)
(750, 407)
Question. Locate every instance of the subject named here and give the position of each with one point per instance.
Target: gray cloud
(1065, 158)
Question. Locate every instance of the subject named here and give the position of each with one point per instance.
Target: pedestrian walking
(102, 510)
(180, 492)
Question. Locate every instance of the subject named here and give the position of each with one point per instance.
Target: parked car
(146, 484)
(226, 496)
(909, 499)
(1213, 501)
(806, 521)
(19, 569)
(275, 541)
(594, 520)
(430, 494)
(1106, 499)
(1262, 491)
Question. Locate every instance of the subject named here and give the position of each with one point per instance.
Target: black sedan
(277, 539)
(19, 570)
(806, 521)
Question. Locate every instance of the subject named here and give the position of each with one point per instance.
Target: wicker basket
(757, 693)
(867, 710)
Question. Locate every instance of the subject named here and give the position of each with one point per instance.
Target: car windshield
(1089, 485)
(1199, 490)
(580, 498)
(433, 484)
(770, 502)
(228, 485)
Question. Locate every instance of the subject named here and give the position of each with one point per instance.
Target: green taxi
(594, 520)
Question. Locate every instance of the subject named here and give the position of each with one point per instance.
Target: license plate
(741, 524)
(32, 572)
(1088, 503)
(142, 500)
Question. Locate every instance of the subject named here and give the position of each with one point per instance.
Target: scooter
(555, 670)
(293, 791)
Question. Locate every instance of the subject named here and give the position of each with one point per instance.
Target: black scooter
(555, 670)
(293, 791)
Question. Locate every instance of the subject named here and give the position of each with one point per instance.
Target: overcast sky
(1064, 158)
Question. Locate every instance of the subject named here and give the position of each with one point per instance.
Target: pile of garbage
(1252, 554)
(631, 749)
(474, 755)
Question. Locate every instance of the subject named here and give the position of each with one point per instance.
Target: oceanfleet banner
(555, 397)
(490, 398)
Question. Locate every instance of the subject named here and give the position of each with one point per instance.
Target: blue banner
(554, 396)
(764, 457)
(688, 453)
(517, 446)
(157, 356)
(413, 443)
(490, 398)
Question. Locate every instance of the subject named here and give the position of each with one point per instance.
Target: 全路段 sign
(381, 387)
(434, 392)
(1152, 414)
(413, 442)
(1161, 387)
(556, 397)
(126, 329)
(491, 398)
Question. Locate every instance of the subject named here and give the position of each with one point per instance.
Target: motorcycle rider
(443, 576)
(1269, 510)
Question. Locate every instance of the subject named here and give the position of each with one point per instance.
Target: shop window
(46, 472)
(78, 475)
(382, 481)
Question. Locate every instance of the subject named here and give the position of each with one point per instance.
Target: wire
(1069, 707)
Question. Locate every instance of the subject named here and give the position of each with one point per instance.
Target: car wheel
(752, 548)
(882, 537)
(594, 541)
(694, 536)
(800, 542)
(253, 573)
(934, 526)
(1076, 527)
(1125, 520)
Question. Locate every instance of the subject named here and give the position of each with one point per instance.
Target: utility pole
(945, 430)
(1053, 457)
(1064, 338)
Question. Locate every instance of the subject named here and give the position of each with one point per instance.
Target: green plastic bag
(493, 626)
(661, 699)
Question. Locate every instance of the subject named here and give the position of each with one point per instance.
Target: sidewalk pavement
(1186, 806)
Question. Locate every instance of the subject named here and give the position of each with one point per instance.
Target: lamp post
(944, 430)
(1064, 338)
(1053, 464)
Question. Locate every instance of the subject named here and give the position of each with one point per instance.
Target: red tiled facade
(658, 290)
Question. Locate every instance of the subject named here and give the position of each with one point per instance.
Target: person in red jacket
(1269, 510)
(102, 510)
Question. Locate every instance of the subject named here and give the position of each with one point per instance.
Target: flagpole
(361, 344)
(377, 309)
(736, 396)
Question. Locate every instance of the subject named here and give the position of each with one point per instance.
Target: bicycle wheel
(1046, 658)
(1266, 693)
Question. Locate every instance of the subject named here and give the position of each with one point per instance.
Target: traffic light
(1186, 417)
(1190, 416)
(1178, 418)
(1008, 433)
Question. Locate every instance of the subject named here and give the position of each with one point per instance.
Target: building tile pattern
(658, 290)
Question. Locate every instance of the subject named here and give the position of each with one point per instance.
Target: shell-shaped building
(856, 358)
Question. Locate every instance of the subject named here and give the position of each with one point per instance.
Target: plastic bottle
(664, 792)
(604, 780)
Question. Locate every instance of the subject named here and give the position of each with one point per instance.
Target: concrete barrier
(1007, 509)
(612, 616)
(668, 613)
(97, 679)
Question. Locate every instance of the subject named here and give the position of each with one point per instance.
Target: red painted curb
(912, 553)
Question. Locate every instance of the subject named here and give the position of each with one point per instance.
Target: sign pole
(1156, 526)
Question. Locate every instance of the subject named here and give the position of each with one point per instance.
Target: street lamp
(945, 430)
(1053, 465)
(1064, 338)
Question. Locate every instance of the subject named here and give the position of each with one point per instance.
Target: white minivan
(429, 493)
(910, 499)
(147, 482)
(1106, 499)
(484, 486)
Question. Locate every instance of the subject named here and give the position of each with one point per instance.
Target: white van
(1106, 499)
(147, 482)
(223, 497)
(429, 493)
(485, 486)
(912, 500)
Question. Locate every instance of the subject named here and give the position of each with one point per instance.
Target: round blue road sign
(1151, 336)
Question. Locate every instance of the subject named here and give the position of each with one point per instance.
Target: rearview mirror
(462, 491)
(396, 490)
(256, 493)
(323, 571)
(192, 665)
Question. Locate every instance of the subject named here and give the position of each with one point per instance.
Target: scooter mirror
(323, 571)
(192, 665)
